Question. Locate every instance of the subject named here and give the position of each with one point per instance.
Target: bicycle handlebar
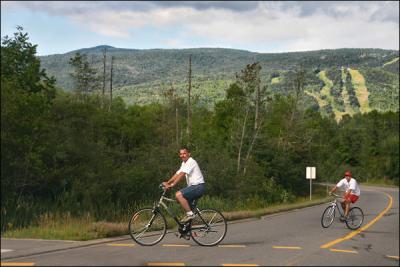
(163, 188)
(335, 195)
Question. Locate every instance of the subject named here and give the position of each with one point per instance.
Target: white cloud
(294, 26)
(296, 33)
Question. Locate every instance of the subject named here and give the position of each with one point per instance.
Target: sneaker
(343, 218)
(188, 218)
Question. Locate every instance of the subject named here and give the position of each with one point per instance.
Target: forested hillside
(84, 153)
(144, 76)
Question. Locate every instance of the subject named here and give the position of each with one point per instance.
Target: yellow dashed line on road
(356, 232)
(239, 264)
(165, 264)
(344, 251)
(285, 247)
(393, 257)
(231, 246)
(121, 245)
(17, 264)
(175, 245)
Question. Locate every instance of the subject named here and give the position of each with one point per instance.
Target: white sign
(310, 173)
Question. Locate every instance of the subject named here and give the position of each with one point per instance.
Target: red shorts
(351, 197)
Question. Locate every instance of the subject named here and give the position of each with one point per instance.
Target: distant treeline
(134, 66)
(81, 152)
(141, 76)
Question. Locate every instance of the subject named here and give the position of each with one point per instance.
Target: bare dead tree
(173, 99)
(257, 103)
(104, 76)
(176, 118)
(111, 81)
(249, 79)
(189, 122)
(239, 158)
(298, 84)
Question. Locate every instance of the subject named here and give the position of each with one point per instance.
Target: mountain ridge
(141, 75)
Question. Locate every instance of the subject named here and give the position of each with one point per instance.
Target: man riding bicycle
(194, 179)
(352, 192)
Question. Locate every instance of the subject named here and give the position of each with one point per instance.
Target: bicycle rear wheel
(147, 227)
(328, 216)
(209, 227)
(355, 218)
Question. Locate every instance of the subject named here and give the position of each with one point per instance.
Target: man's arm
(175, 179)
(333, 189)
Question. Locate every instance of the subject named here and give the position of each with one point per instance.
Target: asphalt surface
(294, 238)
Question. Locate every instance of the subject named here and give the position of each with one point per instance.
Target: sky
(259, 26)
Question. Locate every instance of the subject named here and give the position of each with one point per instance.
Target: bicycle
(354, 219)
(148, 226)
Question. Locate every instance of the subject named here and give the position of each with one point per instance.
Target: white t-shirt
(192, 172)
(352, 184)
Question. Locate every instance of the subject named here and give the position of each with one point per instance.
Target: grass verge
(237, 215)
(65, 227)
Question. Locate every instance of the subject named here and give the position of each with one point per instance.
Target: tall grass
(115, 217)
(66, 227)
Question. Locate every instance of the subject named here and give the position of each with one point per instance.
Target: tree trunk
(104, 77)
(251, 147)
(175, 100)
(111, 81)
(257, 104)
(189, 122)
(241, 140)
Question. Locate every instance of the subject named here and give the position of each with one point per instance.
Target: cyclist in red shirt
(352, 192)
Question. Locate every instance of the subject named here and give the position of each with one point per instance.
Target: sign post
(310, 174)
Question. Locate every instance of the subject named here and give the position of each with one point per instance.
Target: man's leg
(343, 205)
(347, 208)
(184, 203)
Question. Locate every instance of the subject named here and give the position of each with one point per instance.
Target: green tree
(27, 94)
(86, 78)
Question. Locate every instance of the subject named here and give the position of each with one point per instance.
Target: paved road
(284, 239)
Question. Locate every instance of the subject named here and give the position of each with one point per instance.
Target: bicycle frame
(354, 221)
(337, 204)
(339, 207)
(169, 211)
(197, 228)
(183, 226)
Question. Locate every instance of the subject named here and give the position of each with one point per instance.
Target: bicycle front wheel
(209, 227)
(147, 227)
(355, 218)
(328, 216)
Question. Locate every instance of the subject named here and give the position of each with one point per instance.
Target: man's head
(347, 175)
(184, 154)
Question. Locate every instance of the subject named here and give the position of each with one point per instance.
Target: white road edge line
(6, 250)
